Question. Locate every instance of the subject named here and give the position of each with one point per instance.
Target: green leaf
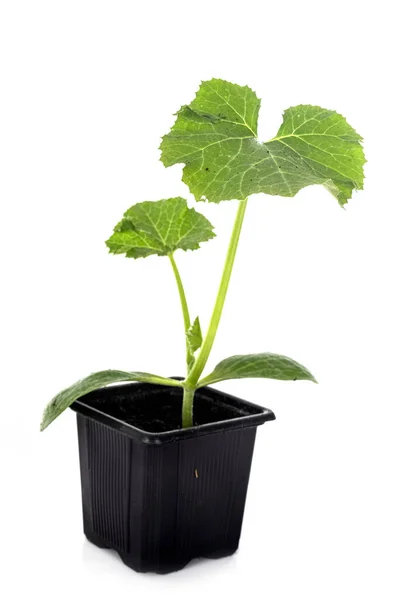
(267, 365)
(215, 137)
(194, 336)
(159, 228)
(194, 341)
(97, 380)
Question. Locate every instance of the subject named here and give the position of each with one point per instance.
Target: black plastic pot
(158, 494)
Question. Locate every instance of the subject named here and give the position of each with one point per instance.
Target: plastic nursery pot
(158, 494)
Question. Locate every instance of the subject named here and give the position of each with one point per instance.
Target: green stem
(196, 371)
(187, 407)
(184, 305)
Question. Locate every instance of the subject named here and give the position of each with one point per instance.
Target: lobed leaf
(215, 137)
(94, 381)
(159, 228)
(267, 365)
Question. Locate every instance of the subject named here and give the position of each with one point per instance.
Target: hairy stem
(198, 367)
(184, 305)
(187, 407)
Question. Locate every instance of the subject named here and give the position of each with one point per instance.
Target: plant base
(161, 498)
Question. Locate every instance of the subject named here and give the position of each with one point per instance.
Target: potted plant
(165, 462)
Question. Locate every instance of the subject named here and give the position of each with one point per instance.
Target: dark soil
(158, 409)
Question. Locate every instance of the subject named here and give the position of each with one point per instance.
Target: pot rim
(252, 419)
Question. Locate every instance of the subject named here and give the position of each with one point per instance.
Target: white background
(88, 89)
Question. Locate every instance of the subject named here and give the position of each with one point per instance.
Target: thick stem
(187, 407)
(206, 348)
(184, 305)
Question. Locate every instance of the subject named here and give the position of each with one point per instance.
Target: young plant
(215, 138)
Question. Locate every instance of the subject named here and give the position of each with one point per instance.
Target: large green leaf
(215, 137)
(159, 228)
(267, 365)
(97, 380)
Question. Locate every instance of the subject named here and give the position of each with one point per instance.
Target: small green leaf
(194, 336)
(194, 341)
(215, 137)
(159, 228)
(267, 365)
(97, 380)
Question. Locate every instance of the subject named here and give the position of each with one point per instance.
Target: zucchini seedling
(215, 138)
